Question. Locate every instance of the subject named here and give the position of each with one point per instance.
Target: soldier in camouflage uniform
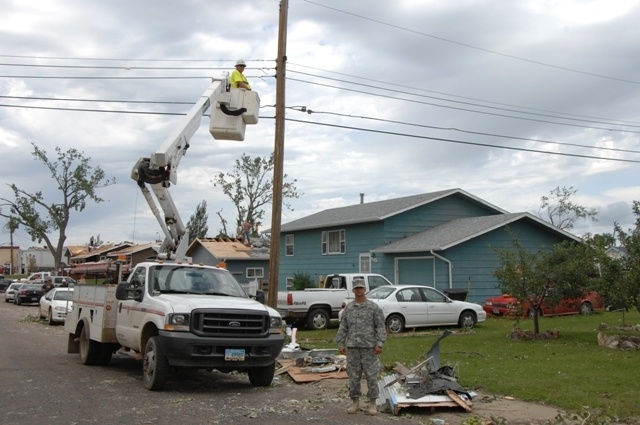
(362, 332)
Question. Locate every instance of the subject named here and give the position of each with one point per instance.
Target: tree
(77, 183)
(197, 225)
(546, 276)
(625, 278)
(561, 211)
(250, 188)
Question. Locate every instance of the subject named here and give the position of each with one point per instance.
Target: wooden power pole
(278, 156)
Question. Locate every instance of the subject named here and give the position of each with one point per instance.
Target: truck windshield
(168, 278)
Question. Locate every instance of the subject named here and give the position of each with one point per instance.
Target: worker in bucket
(361, 336)
(238, 80)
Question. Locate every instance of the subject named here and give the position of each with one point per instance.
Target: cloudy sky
(506, 100)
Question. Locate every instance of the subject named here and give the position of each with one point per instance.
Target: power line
(470, 46)
(485, 145)
(617, 121)
(309, 111)
(465, 109)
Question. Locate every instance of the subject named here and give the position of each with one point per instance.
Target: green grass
(570, 372)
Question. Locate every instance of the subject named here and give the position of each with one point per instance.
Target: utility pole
(278, 157)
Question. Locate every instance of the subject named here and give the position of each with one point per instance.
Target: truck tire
(262, 376)
(155, 368)
(89, 349)
(318, 319)
(105, 355)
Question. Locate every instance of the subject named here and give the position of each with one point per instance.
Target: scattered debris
(619, 341)
(425, 385)
(627, 328)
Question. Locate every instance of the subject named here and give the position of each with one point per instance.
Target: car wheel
(89, 349)
(467, 320)
(586, 308)
(318, 320)
(261, 376)
(155, 368)
(50, 317)
(395, 323)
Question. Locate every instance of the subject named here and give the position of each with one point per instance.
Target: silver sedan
(413, 306)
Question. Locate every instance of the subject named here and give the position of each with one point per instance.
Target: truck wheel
(318, 320)
(105, 355)
(155, 368)
(262, 376)
(89, 349)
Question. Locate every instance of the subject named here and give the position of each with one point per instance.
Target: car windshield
(194, 280)
(381, 292)
(63, 295)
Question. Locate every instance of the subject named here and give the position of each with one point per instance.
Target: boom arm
(232, 110)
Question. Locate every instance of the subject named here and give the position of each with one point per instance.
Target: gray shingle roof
(455, 232)
(374, 211)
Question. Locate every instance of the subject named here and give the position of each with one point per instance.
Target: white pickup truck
(175, 315)
(317, 306)
(34, 277)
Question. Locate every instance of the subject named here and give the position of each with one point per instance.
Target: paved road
(41, 383)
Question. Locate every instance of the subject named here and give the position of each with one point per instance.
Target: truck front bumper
(187, 350)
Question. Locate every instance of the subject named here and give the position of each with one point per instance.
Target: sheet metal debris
(428, 384)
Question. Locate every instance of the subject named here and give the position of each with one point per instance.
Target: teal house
(445, 239)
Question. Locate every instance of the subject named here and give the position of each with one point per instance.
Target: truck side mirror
(124, 292)
(261, 297)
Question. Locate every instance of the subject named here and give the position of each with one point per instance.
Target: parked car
(28, 293)
(9, 293)
(412, 306)
(506, 305)
(4, 283)
(55, 304)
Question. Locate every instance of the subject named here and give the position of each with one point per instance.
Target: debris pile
(425, 385)
(619, 341)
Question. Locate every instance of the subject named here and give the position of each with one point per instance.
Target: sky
(505, 100)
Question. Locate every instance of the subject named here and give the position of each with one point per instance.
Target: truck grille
(230, 323)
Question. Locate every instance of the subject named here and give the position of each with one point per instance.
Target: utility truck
(315, 307)
(171, 313)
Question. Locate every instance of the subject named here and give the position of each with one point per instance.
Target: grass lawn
(569, 372)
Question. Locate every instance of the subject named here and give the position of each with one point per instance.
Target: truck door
(130, 313)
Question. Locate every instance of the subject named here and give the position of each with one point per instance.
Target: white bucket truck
(176, 315)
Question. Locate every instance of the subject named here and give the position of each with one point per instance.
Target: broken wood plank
(283, 369)
(459, 401)
(401, 369)
(404, 375)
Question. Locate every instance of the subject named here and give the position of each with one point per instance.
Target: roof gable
(376, 211)
(458, 231)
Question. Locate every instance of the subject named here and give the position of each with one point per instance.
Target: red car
(506, 305)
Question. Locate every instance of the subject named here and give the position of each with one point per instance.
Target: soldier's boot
(372, 409)
(355, 406)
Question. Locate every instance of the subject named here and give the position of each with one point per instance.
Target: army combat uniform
(361, 329)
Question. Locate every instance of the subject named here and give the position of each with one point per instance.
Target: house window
(289, 283)
(288, 242)
(255, 272)
(365, 263)
(334, 242)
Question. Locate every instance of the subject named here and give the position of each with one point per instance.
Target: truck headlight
(177, 322)
(275, 325)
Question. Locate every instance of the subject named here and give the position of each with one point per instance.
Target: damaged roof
(229, 249)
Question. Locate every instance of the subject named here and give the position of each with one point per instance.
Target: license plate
(234, 355)
(496, 311)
